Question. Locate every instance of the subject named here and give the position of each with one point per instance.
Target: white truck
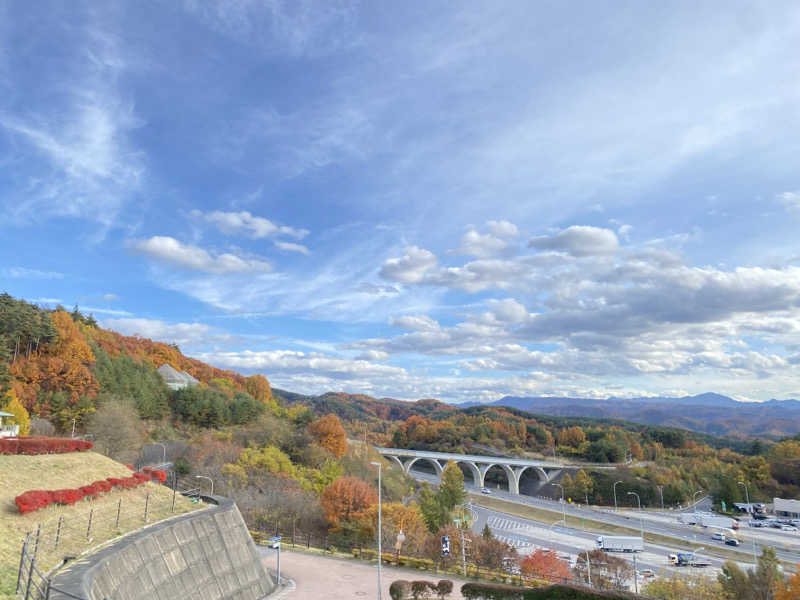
(620, 543)
(718, 522)
(689, 518)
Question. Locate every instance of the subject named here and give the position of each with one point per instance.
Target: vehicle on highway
(647, 573)
(718, 521)
(718, 536)
(755, 523)
(788, 528)
(732, 542)
(620, 543)
(687, 559)
(486, 491)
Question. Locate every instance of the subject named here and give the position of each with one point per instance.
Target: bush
(420, 589)
(488, 591)
(444, 588)
(42, 445)
(33, 500)
(158, 475)
(400, 590)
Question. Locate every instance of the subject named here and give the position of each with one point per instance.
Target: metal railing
(59, 540)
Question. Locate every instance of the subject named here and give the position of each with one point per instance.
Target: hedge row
(42, 445)
(36, 499)
(490, 591)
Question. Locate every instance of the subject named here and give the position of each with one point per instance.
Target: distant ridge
(710, 413)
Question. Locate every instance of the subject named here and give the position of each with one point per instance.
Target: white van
(718, 535)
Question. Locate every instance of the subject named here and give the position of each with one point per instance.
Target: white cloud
(104, 311)
(414, 323)
(248, 224)
(579, 240)
(502, 228)
(294, 361)
(508, 310)
(110, 297)
(790, 200)
(481, 245)
(170, 250)
(411, 267)
(188, 334)
(292, 247)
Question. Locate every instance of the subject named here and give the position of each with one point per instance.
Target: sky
(416, 199)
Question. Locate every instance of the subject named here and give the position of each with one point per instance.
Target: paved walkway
(320, 577)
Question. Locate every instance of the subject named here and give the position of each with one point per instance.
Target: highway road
(528, 535)
(665, 523)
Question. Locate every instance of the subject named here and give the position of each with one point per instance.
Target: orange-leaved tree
(346, 498)
(789, 590)
(545, 565)
(329, 433)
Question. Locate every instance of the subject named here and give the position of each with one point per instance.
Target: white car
(718, 535)
(486, 491)
(788, 528)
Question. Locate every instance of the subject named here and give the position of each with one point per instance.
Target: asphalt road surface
(787, 545)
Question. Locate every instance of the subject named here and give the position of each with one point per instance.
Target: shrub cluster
(42, 445)
(405, 590)
(155, 474)
(36, 499)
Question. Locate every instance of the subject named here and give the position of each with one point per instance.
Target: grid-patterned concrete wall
(207, 555)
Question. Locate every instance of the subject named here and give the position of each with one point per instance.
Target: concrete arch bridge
(515, 469)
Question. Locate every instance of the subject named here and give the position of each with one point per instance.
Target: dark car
(733, 542)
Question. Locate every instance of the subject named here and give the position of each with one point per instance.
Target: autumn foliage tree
(790, 590)
(544, 564)
(9, 403)
(329, 433)
(346, 498)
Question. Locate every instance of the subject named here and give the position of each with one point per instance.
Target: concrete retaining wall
(208, 555)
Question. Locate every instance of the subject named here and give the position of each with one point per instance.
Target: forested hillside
(678, 460)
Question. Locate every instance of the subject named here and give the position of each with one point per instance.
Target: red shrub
(67, 496)
(159, 475)
(114, 481)
(89, 491)
(32, 500)
(129, 465)
(102, 486)
(141, 477)
(42, 445)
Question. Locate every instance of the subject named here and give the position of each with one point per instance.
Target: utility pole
(463, 554)
(635, 576)
(661, 491)
(749, 507)
(380, 558)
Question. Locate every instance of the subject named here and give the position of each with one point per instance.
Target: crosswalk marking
(515, 543)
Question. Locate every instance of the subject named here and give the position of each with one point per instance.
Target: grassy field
(70, 524)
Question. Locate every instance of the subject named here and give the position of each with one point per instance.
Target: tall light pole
(752, 537)
(615, 495)
(380, 585)
(164, 448)
(641, 521)
(209, 478)
(661, 491)
(693, 502)
(563, 504)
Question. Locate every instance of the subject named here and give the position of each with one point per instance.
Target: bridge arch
(540, 473)
(511, 477)
(432, 461)
(397, 461)
(477, 476)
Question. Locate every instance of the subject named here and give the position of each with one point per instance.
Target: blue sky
(417, 199)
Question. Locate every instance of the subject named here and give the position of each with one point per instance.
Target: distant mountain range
(707, 413)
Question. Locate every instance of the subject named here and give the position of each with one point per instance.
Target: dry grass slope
(54, 471)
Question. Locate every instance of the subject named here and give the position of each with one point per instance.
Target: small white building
(7, 430)
(786, 508)
(176, 380)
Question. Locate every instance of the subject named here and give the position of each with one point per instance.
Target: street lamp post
(164, 453)
(563, 504)
(661, 491)
(693, 502)
(209, 478)
(615, 495)
(752, 537)
(380, 585)
(641, 521)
